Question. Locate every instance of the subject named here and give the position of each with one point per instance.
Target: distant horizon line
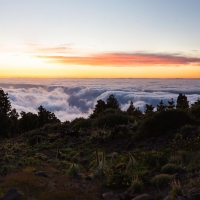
(85, 78)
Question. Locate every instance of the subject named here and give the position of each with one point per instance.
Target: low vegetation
(152, 152)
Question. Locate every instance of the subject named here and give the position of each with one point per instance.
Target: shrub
(154, 159)
(35, 139)
(81, 123)
(176, 189)
(111, 119)
(186, 130)
(160, 180)
(16, 149)
(30, 161)
(170, 168)
(40, 156)
(163, 122)
(64, 165)
(5, 169)
(195, 111)
(74, 171)
(52, 127)
(178, 137)
(132, 163)
(175, 159)
(137, 186)
(118, 180)
(142, 174)
(101, 168)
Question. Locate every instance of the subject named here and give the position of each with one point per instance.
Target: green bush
(81, 123)
(53, 127)
(170, 168)
(176, 189)
(118, 180)
(40, 156)
(163, 122)
(137, 186)
(195, 111)
(111, 119)
(16, 149)
(142, 174)
(175, 159)
(5, 169)
(154, 159)
(74, 171)
(64, 165)
(161, 180)
(30, 161)
(178, 137)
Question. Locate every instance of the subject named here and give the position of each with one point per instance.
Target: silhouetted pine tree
(5, 108)
(161, 107)
(149, 109)
(45, 117)
(112, 102)
(171, 104)
(182, 102)
(131, 109)
(28, 121)
(99, 108)
(14, 123)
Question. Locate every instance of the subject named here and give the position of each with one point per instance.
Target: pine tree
(14, 123)
(5, 105)
(161, 107)
(131, 109)
(28, 121)
(99, 108)
(45, 117)
(149, 109)
(5, 108)
(196, 103)
(112, 102)
(171, 105)
(182, 102)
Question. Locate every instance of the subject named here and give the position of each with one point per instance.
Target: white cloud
(71, 98)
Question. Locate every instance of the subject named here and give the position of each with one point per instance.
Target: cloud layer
(71, 98)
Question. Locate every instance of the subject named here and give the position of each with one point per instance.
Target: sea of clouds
(72, 98)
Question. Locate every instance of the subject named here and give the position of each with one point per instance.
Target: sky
(99, 39)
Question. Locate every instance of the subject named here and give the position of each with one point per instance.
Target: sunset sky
(99, 39)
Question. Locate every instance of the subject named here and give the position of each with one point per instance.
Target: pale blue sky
(109, 25)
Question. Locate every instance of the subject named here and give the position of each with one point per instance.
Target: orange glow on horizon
(100, 66)
(103, 72)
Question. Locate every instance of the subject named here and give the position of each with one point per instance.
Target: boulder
(144, 197)
(12, 194)
(110, 196)
(167, 197)
(40, 173)
(124, 195)
(180, 198)
(195, 196)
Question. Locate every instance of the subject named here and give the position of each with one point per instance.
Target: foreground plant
(176, 189)
(137, 186)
